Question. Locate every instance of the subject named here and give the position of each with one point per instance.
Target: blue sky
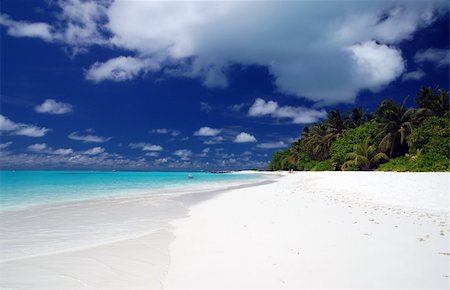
(200, 85)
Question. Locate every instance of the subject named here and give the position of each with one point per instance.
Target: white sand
(324, 230)
(307, 230)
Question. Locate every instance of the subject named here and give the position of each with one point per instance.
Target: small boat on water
(190, 176)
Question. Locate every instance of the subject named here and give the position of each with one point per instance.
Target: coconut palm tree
(335, 128)
(364, 156)
(435, 103)
(294, 151)
(356, 117)
(397, 124)
(313, 141)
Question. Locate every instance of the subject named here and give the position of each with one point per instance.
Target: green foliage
(358, 140)
(397, 123)
(416, 163)
(341, 147)
(433, 135)
(356, 117)
(280, 161)
(313, 141)
(326, 165)
(436, 103)
(304, 161)
(364, 156)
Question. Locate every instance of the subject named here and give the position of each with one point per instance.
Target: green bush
(326, 165)
(305, 162)
(280, 161)
(432, 136)
(421, 162)
(344, 145)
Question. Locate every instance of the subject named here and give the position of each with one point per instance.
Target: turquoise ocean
(22, 189)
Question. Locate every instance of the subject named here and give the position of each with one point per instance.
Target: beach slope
(318, 230)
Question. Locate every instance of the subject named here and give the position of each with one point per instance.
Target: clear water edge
(23, 189)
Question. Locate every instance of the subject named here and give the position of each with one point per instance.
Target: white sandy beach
(323, 230)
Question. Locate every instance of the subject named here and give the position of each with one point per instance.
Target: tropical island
(393, 138)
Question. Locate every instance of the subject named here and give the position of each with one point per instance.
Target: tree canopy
(391, 138)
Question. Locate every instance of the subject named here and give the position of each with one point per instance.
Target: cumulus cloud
(45, 149)
(183, 154)
(262, 108)
(244, 137)
(119, 69)
(51, 106)
(377, 64)
(145, 146)
(413, 75)
(336, 49)
(94, 151)
(21, 129)
(272, 145)
(89, 138)
(152, 154)
(207, 132)
(5, 145)
(26, 29)
(437, 56)
(298, 115)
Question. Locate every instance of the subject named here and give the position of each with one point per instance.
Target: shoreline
(236, 235)
(151, 240)
(168, 204)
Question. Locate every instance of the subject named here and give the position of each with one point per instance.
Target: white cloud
(244, 137)
(82, 22)
(205, 107)
(146, 146)
(51, 106)
(5, 145)
(413, 75)
(204, 152)
(58, 160)
(37, 147)
(298, 115)
(236, 107)
(119, 69)
(261, 108)
(152, 154)
(26, 29)
(43, 148)
(272, 145)
(377, 64)
(172, 132)
(21, 128)
(31, 131)
(161, 161)
(183, 154)
(89, 138)
(219, 33)
(62, 151)
(440, 57)
(326, 52)
(207, 132)
(214, 140)
(94, 151)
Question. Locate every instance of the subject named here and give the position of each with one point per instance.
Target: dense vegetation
(393, 138)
